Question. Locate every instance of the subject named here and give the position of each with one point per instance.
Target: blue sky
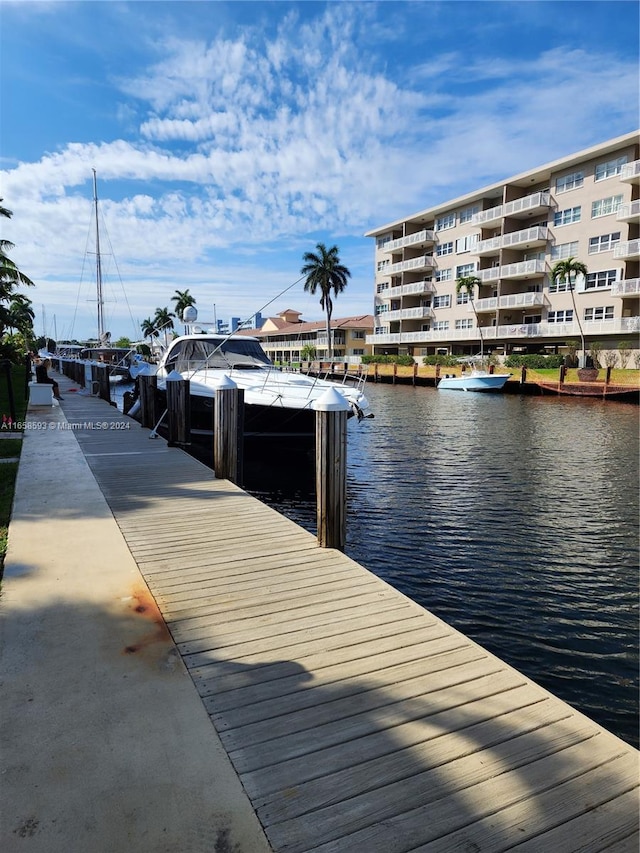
(229, 138)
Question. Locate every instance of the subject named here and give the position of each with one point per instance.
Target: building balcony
(629, 212)
(628, 250)
(509, 301)
(626, 287)
(630, 173)
(413, 289)
(526, 239)
(421, 263)
(419, 313)
(336, 338)
(537, 331)
(519, 208)
(523, 269)
(420, 238)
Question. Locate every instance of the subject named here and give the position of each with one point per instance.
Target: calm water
(513, 519)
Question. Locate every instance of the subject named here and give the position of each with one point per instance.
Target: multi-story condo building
(509, 235)
(286, 338)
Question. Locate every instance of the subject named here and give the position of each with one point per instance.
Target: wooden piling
(148, 388)
(331, 470)
(178, 410)
(228, 433)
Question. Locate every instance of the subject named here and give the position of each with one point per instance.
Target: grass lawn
(10, 448)
(618, 375)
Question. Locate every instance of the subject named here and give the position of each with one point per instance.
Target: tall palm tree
(183, 299)
(149, 329)
(567, 271)
(324, 271)
(468, 284)
(163, 321)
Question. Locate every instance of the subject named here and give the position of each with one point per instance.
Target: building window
(560, 316)
(604, 278)
(605, 206)
(569, 182)
(610, 168)
(603, 243)
(467, 244)
(464, 270)
(444, 275)
(462, 297)
(444, 222)
(382, 309)
(564, 250)
(425, 327)
(381, 242)
(442, 301)
(595, 314)
(359, 335)
(468, 213)
(444, 249)
(383, 265)
(440, 325)
(358, 352)
(381, 287)
(464, 324)
(566, 217)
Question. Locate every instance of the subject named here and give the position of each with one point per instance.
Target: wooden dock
(355, 719)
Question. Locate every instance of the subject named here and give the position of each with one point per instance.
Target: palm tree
(20, 315)
(468, 283)
(567, 271)
(163, 321)
(324, 271)
(183, 299)
(148, 329)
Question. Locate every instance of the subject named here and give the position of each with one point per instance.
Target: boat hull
(474, 382)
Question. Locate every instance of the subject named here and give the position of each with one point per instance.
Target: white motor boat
(474, 380)
(277, 403)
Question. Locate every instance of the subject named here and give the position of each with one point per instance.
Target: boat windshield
(191, 355)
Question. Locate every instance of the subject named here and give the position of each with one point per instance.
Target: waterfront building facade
(510, 235)
(286, 338)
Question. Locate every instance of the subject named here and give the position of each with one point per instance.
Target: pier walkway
(203, 664)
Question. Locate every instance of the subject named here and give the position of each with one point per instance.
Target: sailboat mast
(98, 262)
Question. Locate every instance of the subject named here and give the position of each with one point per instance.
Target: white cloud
(255, 141)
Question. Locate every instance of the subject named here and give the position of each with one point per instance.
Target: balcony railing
(619, 325)
(419, 313)
(626, 287)
(523, 269)
(629, 249)
(423, 262)
(528, 237)
(517, 207)
(631, 172)
(415, 288)
(510, 300)
(627, 212)
(409, 240)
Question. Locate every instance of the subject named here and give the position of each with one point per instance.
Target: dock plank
(356, 720)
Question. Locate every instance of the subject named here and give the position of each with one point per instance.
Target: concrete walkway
(101, 751)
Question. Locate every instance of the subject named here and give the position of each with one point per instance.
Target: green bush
(535, 362)
(442, 360)
(406, 360)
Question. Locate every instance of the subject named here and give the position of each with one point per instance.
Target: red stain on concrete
(144, 604)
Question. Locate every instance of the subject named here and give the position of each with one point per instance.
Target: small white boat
(474, 380)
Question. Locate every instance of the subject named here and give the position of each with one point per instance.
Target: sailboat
(118, 358)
